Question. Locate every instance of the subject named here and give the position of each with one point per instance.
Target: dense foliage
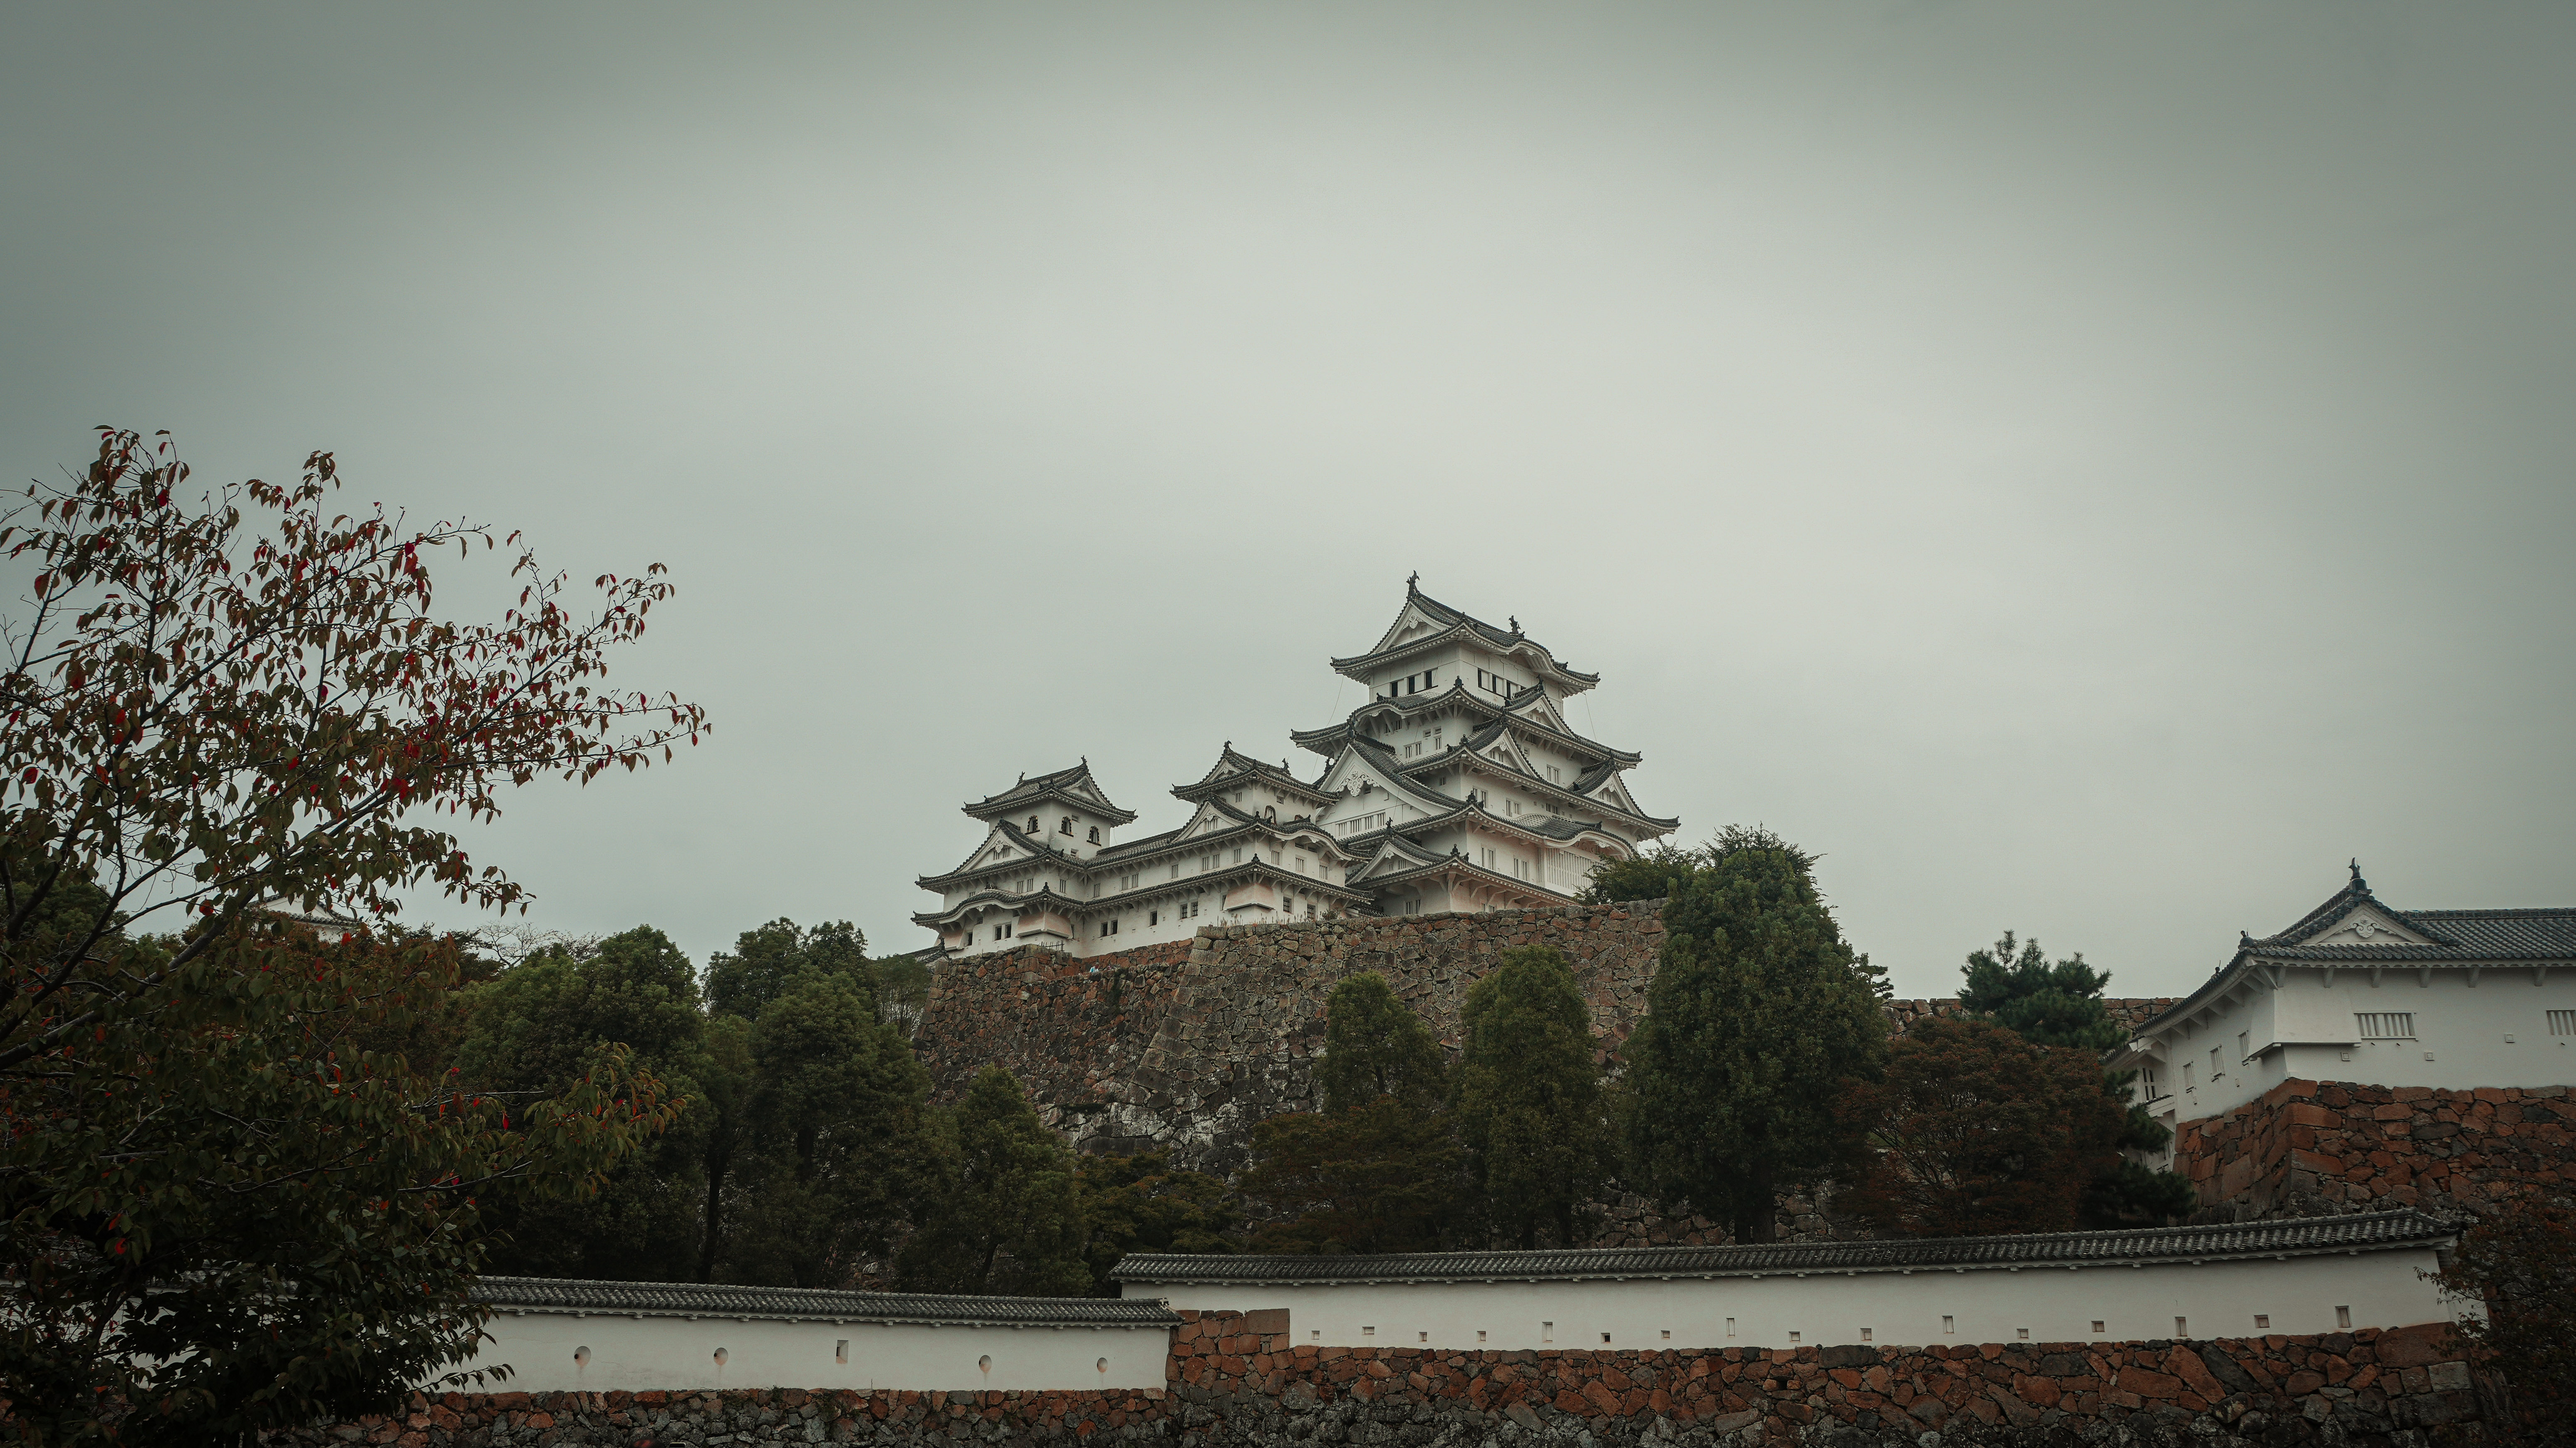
(1527, 1099)
(1375, 1047)
(1005, 1216)
(1378, 1169)
(2519, 1261)
(1141, 1203)
(1976, 1130)
(1758, 1019)
(541, 1027)
(230, 1200)
(2059, 1003)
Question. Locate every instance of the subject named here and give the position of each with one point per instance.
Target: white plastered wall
(2460, 1039)
(2050, 1304)
(678, 1353)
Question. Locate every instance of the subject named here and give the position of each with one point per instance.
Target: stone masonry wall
(1237, 1380)
(1185, 1044)
(2309, 1148)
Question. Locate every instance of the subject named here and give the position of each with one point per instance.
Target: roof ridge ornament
(1413, 581)
(2359, 883)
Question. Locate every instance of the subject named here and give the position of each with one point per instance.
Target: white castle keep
(1459, 785)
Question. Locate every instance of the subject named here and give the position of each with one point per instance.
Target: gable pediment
(2364, 925)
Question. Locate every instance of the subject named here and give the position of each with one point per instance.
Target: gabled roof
(806, 1304)
(1448, 624)
(1025, 852)
(2300, 1237)
(1233, 769)
(2439, 938)
(1073, 786)
(1521, 712)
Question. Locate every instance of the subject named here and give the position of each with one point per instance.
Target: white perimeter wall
(677, 1353)
(2220, 1299)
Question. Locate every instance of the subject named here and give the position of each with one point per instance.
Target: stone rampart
(1238, 1380)
(1185, 1044)
(2310, 1148)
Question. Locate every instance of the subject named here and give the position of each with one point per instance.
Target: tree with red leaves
(230, 723)
(1974, 1129)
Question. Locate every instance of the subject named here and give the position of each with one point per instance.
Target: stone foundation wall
(1185, 1044)
(1239, 1379)
(2310, 1148)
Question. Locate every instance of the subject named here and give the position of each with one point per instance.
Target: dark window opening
(1065, 826)
(1095, 834)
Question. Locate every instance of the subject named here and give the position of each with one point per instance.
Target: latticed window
(2562, 1023)
(2385, 1025)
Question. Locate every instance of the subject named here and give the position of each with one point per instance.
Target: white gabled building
(2357, 991)
(1459, 785)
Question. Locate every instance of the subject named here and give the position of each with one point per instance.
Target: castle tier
(1457, 786)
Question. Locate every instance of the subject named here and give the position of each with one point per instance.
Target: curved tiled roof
(707, 1299)
(2310, 1236)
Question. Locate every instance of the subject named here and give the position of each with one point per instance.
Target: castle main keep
(1458, 786)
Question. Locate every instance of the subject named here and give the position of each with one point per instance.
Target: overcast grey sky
(2086, 469)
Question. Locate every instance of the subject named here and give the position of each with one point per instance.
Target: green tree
(2060, 1004)
(1141, 1203)
(2052, 1003)
(768, 961)
(1758, 1018)
(2518, 1262)
(1978, 1130)
(1386, 1177)
(544, 1025)
(903, 989)
(1374, 1046)
(222, 1211)
(1006, 1219)
(1657, 873)
(835, 1143)
(1527, 1097)
(1378, 1169)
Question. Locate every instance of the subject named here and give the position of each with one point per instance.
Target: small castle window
(1095, 834)
(1033, 824)
(2385, 1025)
(1065, 825)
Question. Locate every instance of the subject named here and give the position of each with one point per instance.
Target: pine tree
(1527, 1097)
(1757, 1018)
(2060, 1004)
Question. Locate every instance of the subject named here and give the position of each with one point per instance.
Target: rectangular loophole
(841, 1350)
(1793, 1337)
(1730, 1327)
(1864, 1334)
(1368, 1332)
(2097, 1327)
(1480, 1334)
(1547, 1332)
(1422, 1337)
(1949, 1323)
(2182, 1327)
(2343, 1317)
(2262, 1319)
(1668, 1334)
(2021, 1334)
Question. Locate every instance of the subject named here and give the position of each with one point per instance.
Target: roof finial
(2358, 883)
(1412, 581)
(1514, 620)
